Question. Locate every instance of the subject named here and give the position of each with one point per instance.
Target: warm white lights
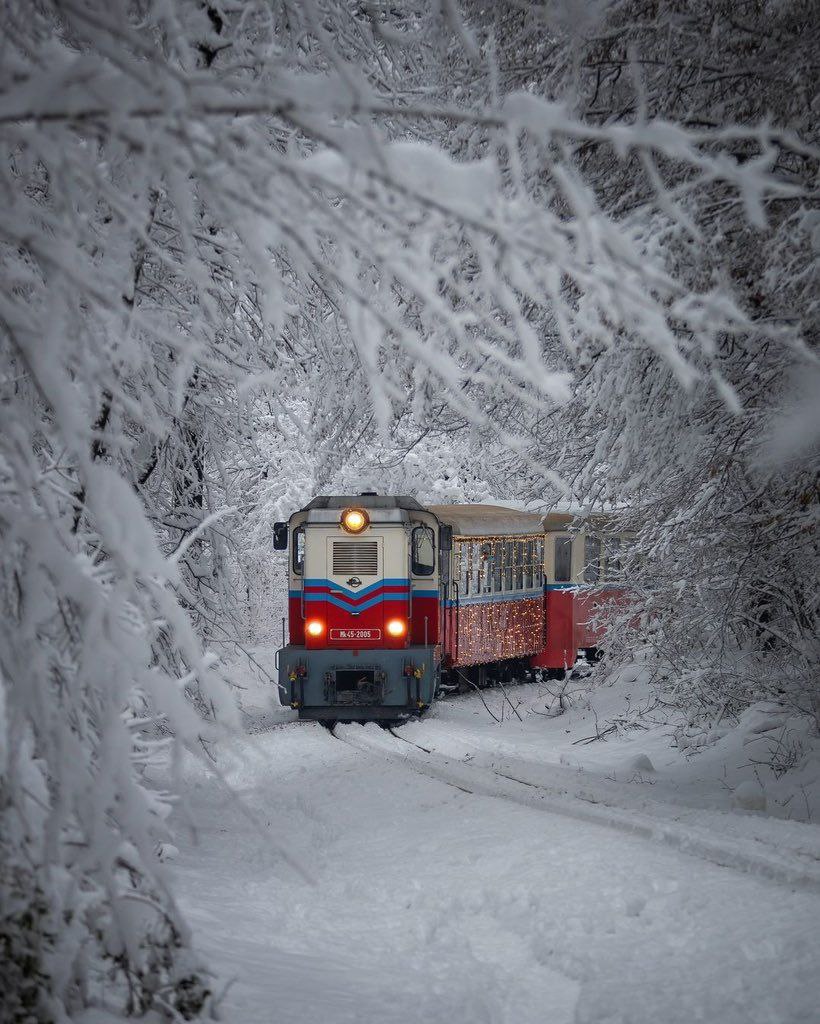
(354, 520)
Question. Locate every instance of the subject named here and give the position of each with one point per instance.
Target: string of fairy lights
(490, 631)
(505, 564)
(495, 631)
(496, 564)
(512, 565)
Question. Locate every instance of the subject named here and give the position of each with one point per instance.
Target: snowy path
(560, 791)
(427, 903)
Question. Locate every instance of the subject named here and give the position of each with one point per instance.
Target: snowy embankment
(361, 878)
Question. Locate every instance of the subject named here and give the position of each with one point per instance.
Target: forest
(543, 253)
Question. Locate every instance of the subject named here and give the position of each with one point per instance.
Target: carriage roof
(487, 520)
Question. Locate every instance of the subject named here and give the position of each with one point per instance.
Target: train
(391, 602)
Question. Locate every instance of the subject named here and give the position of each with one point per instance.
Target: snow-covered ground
(504, 873)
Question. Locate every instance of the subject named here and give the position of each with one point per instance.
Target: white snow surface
(476, 520)
(505, 874)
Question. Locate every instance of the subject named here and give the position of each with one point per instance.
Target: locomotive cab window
(423, 557)
(299, 550)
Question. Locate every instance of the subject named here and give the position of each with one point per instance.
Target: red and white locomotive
(389, 600)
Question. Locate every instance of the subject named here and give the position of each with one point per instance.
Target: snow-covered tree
(719, 477)
(227, 227)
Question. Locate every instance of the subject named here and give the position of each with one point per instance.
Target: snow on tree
(227, 227)
(720, 479)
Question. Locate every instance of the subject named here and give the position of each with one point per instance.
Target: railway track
(391, 729)
(775, 866)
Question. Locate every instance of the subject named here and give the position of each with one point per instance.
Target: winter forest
(533, 253)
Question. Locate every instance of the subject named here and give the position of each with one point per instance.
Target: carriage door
(355, 600)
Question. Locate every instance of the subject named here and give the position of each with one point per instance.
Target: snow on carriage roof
(487, 520)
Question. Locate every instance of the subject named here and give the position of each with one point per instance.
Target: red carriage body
(527, 586)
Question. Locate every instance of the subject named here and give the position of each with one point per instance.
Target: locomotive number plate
(355, 634)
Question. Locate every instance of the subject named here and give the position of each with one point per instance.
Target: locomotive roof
(365, 501)
(487, 520)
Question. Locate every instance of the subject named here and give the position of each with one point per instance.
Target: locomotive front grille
(359, 557)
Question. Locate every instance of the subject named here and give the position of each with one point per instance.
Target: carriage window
(563, 559)
(592, 558)
(527, 581)
(509, 548)
(464, 567)
(299, 550)
(423, 551)
(498, 559)
(485, 567)
(519, 564)
(612, 550)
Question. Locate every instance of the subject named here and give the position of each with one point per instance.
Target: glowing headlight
(396, 627)
(354, 520)
(315, 627)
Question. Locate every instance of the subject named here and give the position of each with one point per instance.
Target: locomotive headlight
(315, 627)
(354, 520)
(396, 627)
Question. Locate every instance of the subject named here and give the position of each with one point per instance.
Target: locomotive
(389, 601)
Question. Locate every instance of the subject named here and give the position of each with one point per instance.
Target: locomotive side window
(423, 557)
(299, 550)
(563, 559)
(592, 558)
